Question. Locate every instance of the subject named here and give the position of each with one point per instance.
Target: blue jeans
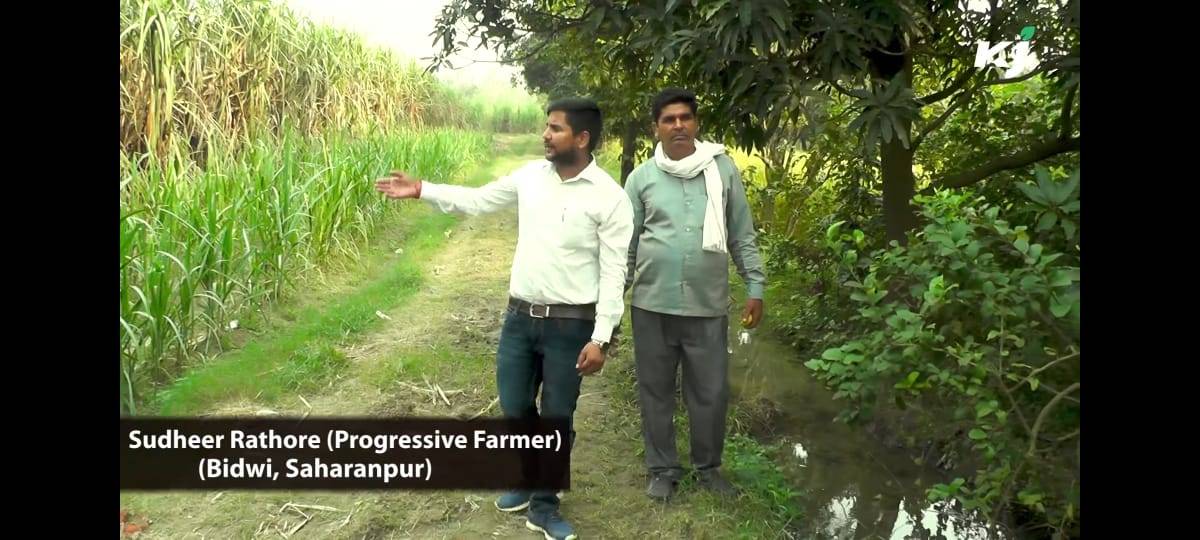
(540, 352)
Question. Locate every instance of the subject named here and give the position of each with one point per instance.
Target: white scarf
(702, 160)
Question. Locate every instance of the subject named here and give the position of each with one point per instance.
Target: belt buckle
(534, 315)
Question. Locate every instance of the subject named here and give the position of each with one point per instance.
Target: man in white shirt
(568, 275)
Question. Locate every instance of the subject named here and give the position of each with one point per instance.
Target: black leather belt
(586, 312)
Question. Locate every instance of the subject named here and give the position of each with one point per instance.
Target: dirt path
(446, 335)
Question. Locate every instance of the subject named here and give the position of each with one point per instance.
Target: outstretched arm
(449, 198)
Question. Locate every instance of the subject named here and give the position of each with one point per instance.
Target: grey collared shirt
(668, 270)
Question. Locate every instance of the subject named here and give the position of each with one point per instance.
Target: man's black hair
(669, 96)
(582, 115)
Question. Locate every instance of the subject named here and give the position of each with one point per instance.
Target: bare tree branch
(1068, 105)
(520, 25)
(998, 374)
(1024, 77)
(1043, 368)
(961, 100)
(841, 89)
(1047, 388)
(949, 90)
(1037, 424)
(509, 61)
(1020, 159)
(1042, 68)
(937, 123)
(537, 50)
(1068, 436)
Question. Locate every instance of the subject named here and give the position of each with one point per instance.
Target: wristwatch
(602, 344)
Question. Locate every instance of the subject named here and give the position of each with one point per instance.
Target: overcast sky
(405, 27)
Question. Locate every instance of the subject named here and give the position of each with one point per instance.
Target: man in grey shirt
(690, 217)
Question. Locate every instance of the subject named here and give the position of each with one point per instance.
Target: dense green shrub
(974, 326)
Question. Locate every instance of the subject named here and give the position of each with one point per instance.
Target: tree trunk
(899, 215)
(766, 217)
(896, 161)
(628, 148)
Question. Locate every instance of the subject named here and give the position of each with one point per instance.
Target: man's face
(676, 127)
(559, 139)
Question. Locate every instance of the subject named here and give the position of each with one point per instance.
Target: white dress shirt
(572, 235)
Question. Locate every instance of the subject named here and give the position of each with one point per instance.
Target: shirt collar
(592, 173)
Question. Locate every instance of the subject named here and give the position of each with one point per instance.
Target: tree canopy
(907, 66)
(921, 167)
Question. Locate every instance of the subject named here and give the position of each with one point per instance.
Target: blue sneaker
(552, 525)
(514, 501)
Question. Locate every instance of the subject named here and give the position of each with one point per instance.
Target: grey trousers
(660, 342)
